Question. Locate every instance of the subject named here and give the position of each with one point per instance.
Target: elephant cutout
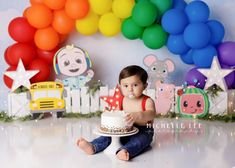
(157, 70)
(165, 94)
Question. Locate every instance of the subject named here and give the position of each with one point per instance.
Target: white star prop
(215, 75)
(20, 76)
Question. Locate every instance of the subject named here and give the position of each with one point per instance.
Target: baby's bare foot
(123, 155)
(85, 146)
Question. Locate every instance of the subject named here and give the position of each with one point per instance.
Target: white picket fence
(80, 101)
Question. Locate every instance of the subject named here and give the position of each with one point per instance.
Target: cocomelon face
(72, 61)
(192, 104)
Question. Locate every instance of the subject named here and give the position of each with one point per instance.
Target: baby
(140, 110)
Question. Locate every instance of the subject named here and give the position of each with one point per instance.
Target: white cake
(113, 122)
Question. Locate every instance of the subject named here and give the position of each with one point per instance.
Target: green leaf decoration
(21, 89)
(213, 90)
(209, 117)
(5, 118)
(79, 115)
(94, 87)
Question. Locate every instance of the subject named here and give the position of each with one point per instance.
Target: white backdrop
(110, 55)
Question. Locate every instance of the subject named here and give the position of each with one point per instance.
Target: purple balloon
(230, 78)
(233, 86)
(195, 78)
(226, 53)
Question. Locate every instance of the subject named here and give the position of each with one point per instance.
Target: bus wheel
(59, 114)
(36, 115)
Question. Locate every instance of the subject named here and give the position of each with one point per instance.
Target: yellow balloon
(109, 24)
(100, 7)
(88, 25)
(123, 8)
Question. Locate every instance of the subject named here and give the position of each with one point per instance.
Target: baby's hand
(90, 73)
(130, 118)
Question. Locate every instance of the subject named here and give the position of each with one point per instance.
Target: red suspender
(144, 102)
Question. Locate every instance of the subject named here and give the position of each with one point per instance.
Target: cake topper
(114, 101)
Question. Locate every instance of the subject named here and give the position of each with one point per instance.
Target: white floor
(51, 143)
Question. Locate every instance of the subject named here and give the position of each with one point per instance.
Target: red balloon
(20, 30)
(8, 81)
(44, 70)
(24, 51)
(46, 56)
(6, 56)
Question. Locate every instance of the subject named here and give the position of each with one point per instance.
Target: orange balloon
(63, 38)
(54, 4)
(77, 9)
(39, 16)
(36, 2)
(46, 39)
(25, 12)
(62, 23)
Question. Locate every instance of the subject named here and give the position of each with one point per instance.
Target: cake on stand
(115, 139)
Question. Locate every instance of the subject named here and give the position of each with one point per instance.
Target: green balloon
(131, 30)
(154, 36)
(144, 13)
(163, 5)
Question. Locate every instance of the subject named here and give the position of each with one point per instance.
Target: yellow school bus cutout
(47, 97)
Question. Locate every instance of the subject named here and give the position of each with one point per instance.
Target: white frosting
(113, 119)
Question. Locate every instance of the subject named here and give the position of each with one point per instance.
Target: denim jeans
(134, 144)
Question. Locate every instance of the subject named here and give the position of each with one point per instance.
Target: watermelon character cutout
(193, 103)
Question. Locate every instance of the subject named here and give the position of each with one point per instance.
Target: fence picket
(95, 105)
(151, 93)
(67, 98)
(104, 91)
(76, 102)
(85, 101)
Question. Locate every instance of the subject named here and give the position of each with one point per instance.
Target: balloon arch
(183, 28)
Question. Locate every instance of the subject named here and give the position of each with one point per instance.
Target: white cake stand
(115, 140)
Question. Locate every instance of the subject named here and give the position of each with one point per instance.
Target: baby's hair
(133, 70)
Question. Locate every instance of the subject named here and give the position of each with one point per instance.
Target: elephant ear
(170, 65)
(149, 60)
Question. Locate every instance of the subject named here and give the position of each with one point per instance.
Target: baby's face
(72, 62)
(132, 87)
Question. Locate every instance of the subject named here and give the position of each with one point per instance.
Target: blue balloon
(174, 21)
(176, 44)
(217, 31)
(188, 57)
(197, 35)
(202, 58)
(179, 4)
(197, 11)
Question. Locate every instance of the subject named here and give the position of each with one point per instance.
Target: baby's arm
(150, 112)
(143, 116)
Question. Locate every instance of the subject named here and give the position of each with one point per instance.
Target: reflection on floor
(51, 143)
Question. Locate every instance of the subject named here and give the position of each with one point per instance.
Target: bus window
(39, 94)
(54, 94)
